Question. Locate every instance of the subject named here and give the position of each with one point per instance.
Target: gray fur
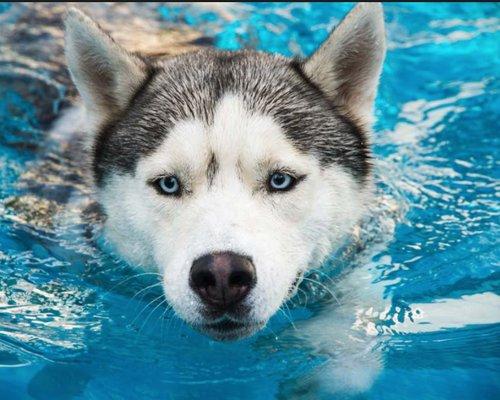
(322, 104)
(189, 86)
(105, 74)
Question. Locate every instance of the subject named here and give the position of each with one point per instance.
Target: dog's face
(230, 173)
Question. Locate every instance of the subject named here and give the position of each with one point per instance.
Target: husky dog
(230, 173)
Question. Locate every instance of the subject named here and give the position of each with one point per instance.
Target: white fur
(282, 232)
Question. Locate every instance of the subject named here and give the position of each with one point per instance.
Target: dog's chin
(228, 330)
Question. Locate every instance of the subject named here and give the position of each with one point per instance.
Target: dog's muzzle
(223, 281)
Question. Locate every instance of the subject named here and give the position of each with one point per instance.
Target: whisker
(151, 313)
(178, 324)
(162, 318)
(325, 275)
(290, 314)
(305, 295)
(276, 337)
(145, 307)
(143, 289)
(325, 287)
(132, 277)
(170, 320)
(148, 287)
(288, 317)
(293, 302)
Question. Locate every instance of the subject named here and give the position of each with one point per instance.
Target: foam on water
(409, 310)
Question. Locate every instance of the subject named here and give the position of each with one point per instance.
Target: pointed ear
(348, 64)
(105, 74)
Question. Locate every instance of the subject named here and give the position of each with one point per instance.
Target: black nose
(222, 280)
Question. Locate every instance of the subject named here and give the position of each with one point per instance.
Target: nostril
(203, 279)
(240, 278)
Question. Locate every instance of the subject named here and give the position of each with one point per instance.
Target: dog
(230, 173)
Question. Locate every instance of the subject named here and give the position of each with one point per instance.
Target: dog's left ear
(105, 74)
(347, 65)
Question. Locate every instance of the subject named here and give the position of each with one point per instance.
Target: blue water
(75, 322)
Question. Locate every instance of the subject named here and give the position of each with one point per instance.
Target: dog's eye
(281, 181)
(168, 185)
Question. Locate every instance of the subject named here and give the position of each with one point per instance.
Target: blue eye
(169, 185)
(280, 181)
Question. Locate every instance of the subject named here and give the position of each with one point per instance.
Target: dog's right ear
(105, 74)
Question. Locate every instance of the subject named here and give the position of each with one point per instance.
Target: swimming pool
(75, 322)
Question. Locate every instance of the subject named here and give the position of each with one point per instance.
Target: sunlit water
(416, 310)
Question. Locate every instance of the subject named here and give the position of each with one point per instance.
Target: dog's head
(230, 173)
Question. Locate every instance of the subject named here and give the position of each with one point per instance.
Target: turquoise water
(75, 322)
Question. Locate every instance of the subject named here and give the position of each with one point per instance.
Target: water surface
(419, 292)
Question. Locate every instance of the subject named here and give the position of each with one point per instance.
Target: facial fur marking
(363, 169)
(103, 135)
(212, 169)
(268, 85)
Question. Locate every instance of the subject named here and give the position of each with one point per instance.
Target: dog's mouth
(228, 329)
